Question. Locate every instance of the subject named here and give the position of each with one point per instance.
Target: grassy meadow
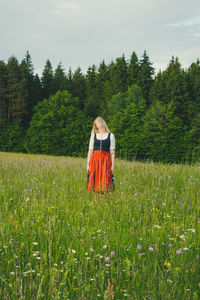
(58, 241)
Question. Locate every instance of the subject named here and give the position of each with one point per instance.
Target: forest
(154, 116)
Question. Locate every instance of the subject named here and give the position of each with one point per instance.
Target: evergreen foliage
(3, 96)
(152, 116)
(79, 87)
(126, 111)
(47, 80)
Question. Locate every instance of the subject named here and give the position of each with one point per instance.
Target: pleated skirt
(100, 178)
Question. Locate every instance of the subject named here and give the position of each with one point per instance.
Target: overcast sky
(84, 32)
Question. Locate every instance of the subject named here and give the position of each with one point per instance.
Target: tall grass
(58, 241)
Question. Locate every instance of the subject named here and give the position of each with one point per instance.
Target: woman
(101, 157)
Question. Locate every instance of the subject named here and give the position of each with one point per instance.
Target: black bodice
(103, 145)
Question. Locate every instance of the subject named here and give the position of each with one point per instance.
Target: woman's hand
(90, 151)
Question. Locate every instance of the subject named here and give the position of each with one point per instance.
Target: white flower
(105, 246)
(182, 237)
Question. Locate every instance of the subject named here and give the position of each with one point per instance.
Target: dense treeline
(153, 116)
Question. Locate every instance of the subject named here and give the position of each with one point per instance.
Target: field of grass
(58, 241)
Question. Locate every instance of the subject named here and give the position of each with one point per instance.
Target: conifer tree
(70, 81)
(47, 80)
(158, 89)
(59, 79)
(176, 89)
(37, 90)
(145, 76)
(28, 88)
(91, 81)
(101, 78)
(79, 87)
(17, 105)
(119, 75)
(193, 81)
(125, 118)
(162, 134)
(133, 69)
(3, 95)
(91, 105)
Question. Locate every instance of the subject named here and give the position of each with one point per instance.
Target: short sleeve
(112, 141)
(91, 144)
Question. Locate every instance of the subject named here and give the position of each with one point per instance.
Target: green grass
(55, 236)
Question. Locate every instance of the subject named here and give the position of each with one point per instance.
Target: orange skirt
(100, 179)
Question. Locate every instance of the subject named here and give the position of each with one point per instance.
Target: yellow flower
(177, 269)
(167, 264)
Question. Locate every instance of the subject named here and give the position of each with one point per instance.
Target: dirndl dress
(100, 177)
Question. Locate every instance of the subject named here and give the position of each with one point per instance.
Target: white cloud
(84, 32)
(186, 23)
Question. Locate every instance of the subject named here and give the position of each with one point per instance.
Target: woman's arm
(112, 153)
(90, 151)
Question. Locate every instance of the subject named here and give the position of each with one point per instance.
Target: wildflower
(182, 237)
(140, 254)
(131, 233)
(73, 251)
(150, 249)
(102, 222)
(35, 243)
(168, 280)
(170, 245)
(112, 253)
(179, 252)
(105, 246)
(167, 264)
(107, 259)
(139, 247)
(157, 226)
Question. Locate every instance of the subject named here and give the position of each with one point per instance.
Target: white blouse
(102, 136)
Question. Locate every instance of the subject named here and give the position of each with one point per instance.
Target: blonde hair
(102, 123)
